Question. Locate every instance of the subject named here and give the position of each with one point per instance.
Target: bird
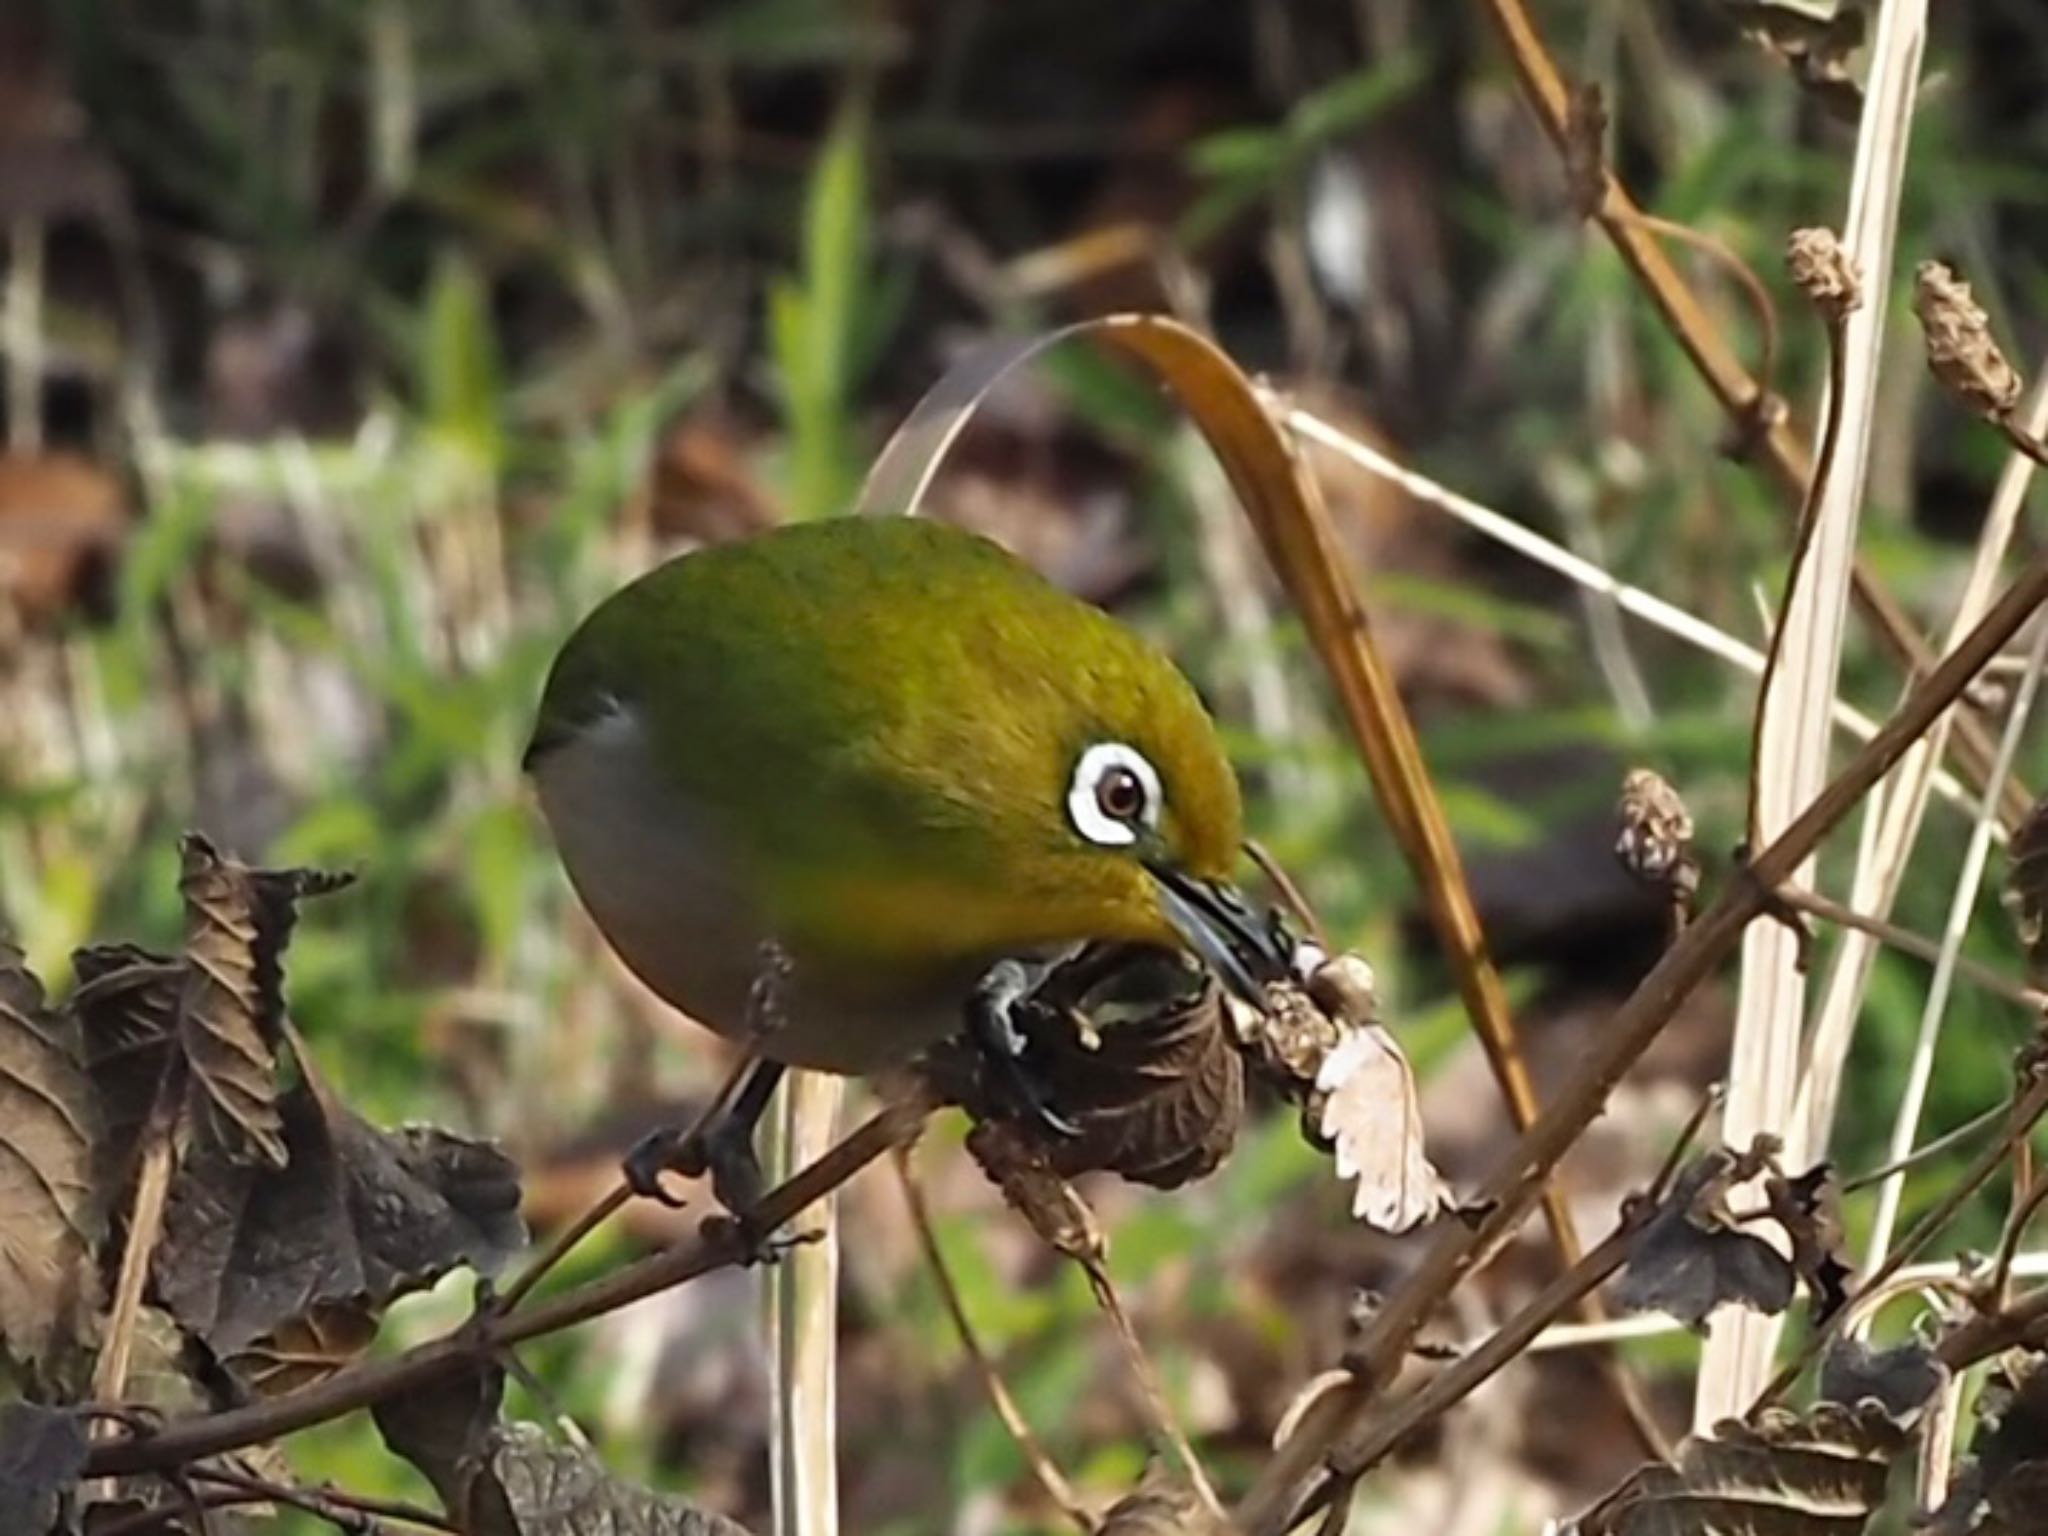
(851, 787)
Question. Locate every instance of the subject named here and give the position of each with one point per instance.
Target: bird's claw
(992, 1024)
(725, 1152)
(755, 1246)
(670, 1149)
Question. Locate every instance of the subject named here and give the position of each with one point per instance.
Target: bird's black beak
(1220, 927)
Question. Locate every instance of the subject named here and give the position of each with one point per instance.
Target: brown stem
(2017, 434)
(1165, 1424)
(1707, 942)
(2028, 1106)
(1036, 1457)
(334, 1505)
(1779, 446)
(720, 1246)
(1908, 942)
(1473, 1369)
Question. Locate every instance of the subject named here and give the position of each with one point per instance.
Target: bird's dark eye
(1114, 795)
(1120, 794)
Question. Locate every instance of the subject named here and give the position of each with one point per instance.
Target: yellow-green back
(883, 716)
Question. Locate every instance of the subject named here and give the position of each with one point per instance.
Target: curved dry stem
(1050, 1479)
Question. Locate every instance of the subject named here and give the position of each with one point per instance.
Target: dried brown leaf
(2026, 883)
(49, 1216)
(42, 1451)
(126, 1004)
(1019, 1166)
(1901, 1380)
(306, 1349)
(2002, 1489)
(231, 1008)
(509, 1479)
(1691, 1258)
(1818, 40)
(1809, 1207)
(1818, 1474)
(1152, 1078)
(1323, 1046)
(356, 1217)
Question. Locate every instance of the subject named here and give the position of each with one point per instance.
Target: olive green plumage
(848, 748)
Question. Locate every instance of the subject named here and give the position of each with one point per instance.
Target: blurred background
(354, 348)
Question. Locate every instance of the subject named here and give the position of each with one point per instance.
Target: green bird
(849, 787)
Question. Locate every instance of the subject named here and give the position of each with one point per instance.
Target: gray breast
(660, 878)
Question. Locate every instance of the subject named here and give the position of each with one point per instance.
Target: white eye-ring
(1114, 793)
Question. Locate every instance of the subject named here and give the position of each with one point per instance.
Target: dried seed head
(1960, 348)
(1825, 272)
(1655, 841)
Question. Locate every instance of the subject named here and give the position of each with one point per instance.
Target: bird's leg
(992, 1010)
(721, 1144)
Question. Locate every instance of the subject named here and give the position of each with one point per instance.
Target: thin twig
(1907, 942)
(2028, 1105)
(1945, 1142)
(1526, 542)
(335, 1505)
(1051, 1480)
(1508, 1192)
(1165, 1422)
(145, 1227)
(721, 1245)
(1740, 395)
(1962, 905)
(2027, 1202)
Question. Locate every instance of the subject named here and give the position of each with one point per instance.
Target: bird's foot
(992, 1024)
(722, 1146)
(754, 1244)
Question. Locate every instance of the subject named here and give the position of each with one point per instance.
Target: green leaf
(460, 377)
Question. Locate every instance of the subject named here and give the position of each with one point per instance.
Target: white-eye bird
(846, 787)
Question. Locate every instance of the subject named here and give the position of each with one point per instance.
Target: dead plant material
(2001, 1486)
(1825, 273)
(51, 1216)
(1693, 1258)
(1961, 351)
(1817, 1474)
(1818, 44)
(2026, 885)
(1654, 843)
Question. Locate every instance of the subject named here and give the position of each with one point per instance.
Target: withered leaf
(1691, 1258)
(356, 1217)
(1818, 40)
(42, 1451)
(500, 1479)
(1808, 1207)
(1158, 1092)
(1020, 1168)
(1902, 1380)
(2002, 1489)
(231, 1007)
(2026, 882)
(126, 1004)
(1817, 1474)
(49, 1216)
(1372, 1116)
(306, 1349)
